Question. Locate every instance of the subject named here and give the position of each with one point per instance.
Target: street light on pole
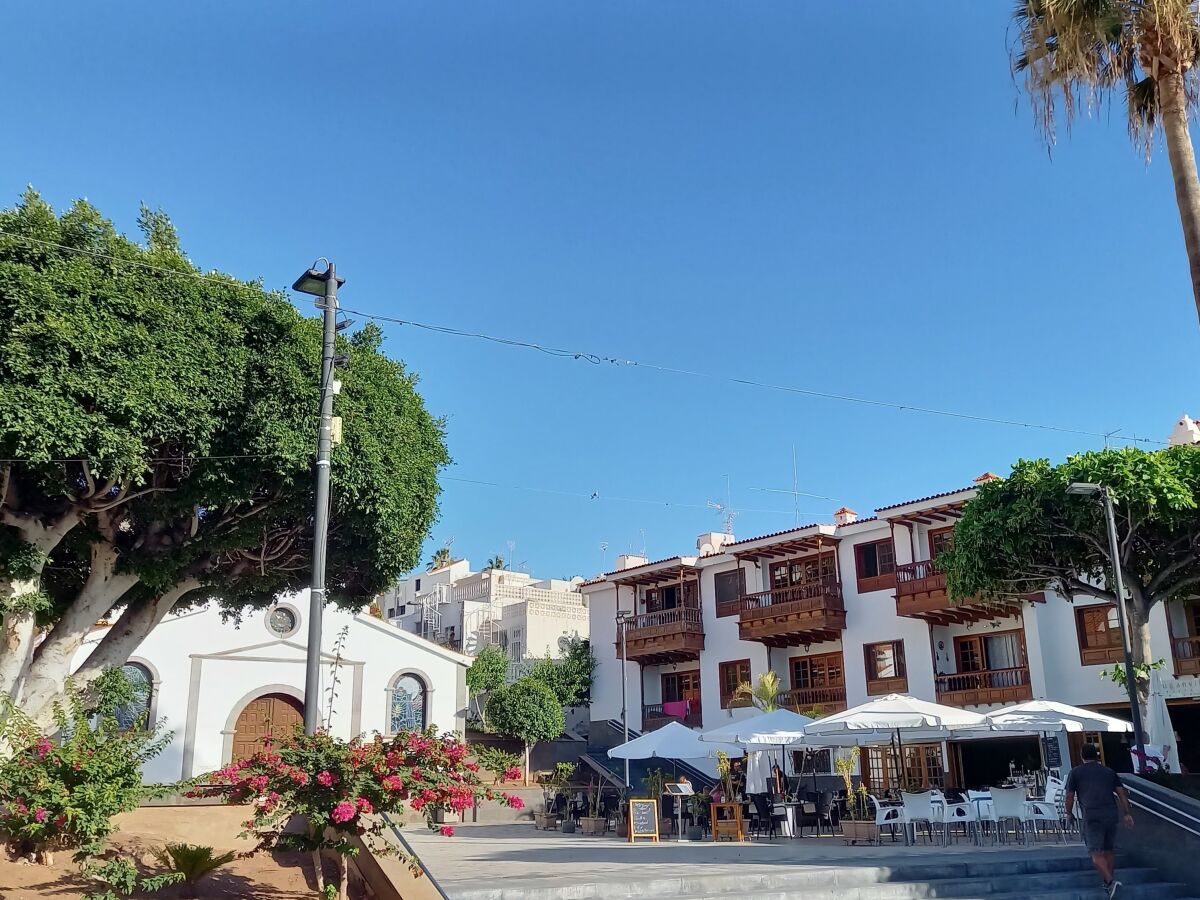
(323, 285)
(623, 617)
(1117, 586)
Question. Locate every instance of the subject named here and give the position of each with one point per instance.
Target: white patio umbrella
(897, 714)
(672, 741)
(1160, 733)
(1049, 715)
(777, 728)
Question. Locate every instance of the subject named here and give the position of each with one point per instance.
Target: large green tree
(1075, 54)
(156, 444)
(1025, 533)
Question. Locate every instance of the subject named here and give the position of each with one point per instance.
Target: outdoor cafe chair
(762, 816)
(1042, 811)
(918, 808)
(1009, 805)
(965, 814)
(885, 817)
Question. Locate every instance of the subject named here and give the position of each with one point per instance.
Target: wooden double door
(271, 715)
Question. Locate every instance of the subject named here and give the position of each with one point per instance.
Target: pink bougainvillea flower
(39, 814)
(42, 747)
(514, 802)
(364, 806)
(391, 782)
(447, 831)
(343, 812)
(512, 773)
(324, 778)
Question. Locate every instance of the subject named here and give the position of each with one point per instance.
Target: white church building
(220, 687)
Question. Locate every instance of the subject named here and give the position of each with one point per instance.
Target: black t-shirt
(1095, 785)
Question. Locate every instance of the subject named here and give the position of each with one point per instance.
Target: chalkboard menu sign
(643, 819)
(1052, 751)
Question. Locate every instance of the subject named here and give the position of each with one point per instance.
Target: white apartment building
(465, 610)
(846, 611)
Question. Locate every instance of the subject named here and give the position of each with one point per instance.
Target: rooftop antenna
(604, 553)
(724, 509)
(643, 531)
(795, 487)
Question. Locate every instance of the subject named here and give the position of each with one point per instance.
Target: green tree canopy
(569, 678)
(527, 710)
(1024, 533)
(162, 426)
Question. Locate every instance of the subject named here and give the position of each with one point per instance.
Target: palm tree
(440, 559)
(764, 694)
(496, 562)
(1074, 54)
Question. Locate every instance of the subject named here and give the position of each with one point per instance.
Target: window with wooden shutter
(732, 676)
(1099, 630)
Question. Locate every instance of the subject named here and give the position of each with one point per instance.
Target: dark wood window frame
(1098, 653)
(979, 639)
(729, 607)
(924, 763)
(892, 684)
(668, 675)
(823, 657)
(881, 580)
(935, 544)
(740, 669)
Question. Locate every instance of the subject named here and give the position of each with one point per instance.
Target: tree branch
(125, 497)
(1168, 571)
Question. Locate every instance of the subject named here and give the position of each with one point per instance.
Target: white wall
(206, 671)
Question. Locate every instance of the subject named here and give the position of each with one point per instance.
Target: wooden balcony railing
(680, 615)
(653, 717)
(985, 687)
(799, 614)
(1186, 653)
(825, 700)
(919, 578)
(665, 635)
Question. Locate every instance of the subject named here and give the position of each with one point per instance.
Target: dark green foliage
(192, 861)
(120, 878)
(527, 710)
(570, 678)
(487, 671)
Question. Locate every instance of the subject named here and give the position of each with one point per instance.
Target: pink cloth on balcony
(678, 708)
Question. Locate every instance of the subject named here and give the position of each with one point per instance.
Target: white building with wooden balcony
(846, 611)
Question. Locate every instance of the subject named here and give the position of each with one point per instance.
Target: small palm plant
(192, 861)
(763, 694)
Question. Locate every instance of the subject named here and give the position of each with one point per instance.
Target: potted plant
(655, 783)
(858, 825)
(552, 783)
(593, 822)
(698, 806)
(623, 811)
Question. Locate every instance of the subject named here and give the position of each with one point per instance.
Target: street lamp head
(1083, 489)
(313, 282)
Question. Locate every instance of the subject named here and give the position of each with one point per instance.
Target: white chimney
(1186, 431)
(844, 516)
(630, 561)
(712, 542)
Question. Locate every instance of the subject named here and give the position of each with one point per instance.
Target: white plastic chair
(966, 814)
(981, 803)
(918, 808)
(1043, 811)
(1009, 804)
(885, 817)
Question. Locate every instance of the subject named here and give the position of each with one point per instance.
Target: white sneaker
(1111, 887)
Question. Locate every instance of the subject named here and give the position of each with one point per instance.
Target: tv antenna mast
(724, 509)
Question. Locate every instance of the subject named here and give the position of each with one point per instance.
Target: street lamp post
(323, 285)
(1117, 586)
(623, 617)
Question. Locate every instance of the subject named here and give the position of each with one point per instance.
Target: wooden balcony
(824, 700)
(921, 594)
(1185, 651)
(665, 636)
(653, 718)
(793, 616)
(985, 688)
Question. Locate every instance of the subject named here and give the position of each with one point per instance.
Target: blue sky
(848, 197)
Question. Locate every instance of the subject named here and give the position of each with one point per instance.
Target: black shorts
(1100, 835)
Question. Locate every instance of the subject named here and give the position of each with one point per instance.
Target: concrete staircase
(1018, 877)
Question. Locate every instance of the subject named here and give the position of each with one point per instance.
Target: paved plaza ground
(480, 857)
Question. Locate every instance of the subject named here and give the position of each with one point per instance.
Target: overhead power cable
(598, 358)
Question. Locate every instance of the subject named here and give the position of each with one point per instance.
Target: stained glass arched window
(134, 714)
(406, 710)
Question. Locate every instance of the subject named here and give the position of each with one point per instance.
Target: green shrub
(60, 795)
(502, 764)
(192, 861)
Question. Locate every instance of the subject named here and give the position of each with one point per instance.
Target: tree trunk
(1172, 105)
(1138, 617)
(527, 765)
(47, 674)
(115, 648)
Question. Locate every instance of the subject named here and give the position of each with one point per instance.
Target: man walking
(1099, 790)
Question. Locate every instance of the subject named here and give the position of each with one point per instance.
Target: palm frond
(192, 861)
(763, 694)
